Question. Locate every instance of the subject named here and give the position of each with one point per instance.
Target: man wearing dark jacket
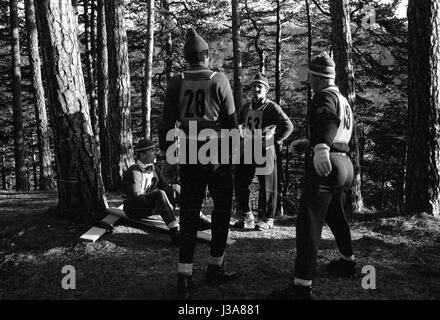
(330, 176)
(199, 99)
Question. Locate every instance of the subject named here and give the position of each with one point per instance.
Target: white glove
(321, 160)
(299, 146)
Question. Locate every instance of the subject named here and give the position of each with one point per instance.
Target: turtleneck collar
(148, 166)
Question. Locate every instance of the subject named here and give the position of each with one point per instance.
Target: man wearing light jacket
(329, 175)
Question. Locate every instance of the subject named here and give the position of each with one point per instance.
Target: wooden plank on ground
(94, 233)
(160, 224)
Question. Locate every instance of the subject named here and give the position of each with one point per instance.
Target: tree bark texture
(148, 72)
(46, 181)
(120, 146)
(236, 22)
(102, 78)
(342, 44)
(81, 194)
(88, 27)
(278, 56)
(422, 183)
(20, 169)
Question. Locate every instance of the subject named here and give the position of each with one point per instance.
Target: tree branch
(321, 9)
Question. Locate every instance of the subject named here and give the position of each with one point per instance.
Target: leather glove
(321, 160)
(299, 146)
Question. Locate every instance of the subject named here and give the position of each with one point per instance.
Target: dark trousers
(194, 180)
(323, 199)
(158, 201)
(268, 192)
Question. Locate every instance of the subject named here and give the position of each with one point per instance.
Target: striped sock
(302, 282)
(215, 261)
(348, 258)
(185, 268)
(173, 224)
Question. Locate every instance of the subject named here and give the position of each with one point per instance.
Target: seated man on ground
(147, 193)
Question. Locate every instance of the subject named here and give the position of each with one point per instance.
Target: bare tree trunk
(236, 22)
(422, 185)
(278, 56)
(34, 169)
(281, 177)
(80, 190)
(168, 45)
(20, 169)
(120, 146)
(2, 155)
(47, 181)
(88, 26)
(342, 43)
(103, 113)
(93, 42)
(148, 75)
(309, 88)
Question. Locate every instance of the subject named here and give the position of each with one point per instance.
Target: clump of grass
(421, 227)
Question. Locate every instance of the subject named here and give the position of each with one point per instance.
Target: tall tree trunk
(34, 168)
(93, 41)
(168, 45)
(236, 22)
(20, 169)
(342, 43)
(422, 185)
(103, 113)
(309, 88)
(47, 181)
(2, 155)
(278, 56)
(281, 178)
(120, 146)
(81, 194)
(88, 26)
(148, 72)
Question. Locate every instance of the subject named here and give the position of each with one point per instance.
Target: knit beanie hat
(193, 43)
(261, 78)
(143, 145)
(323, 65)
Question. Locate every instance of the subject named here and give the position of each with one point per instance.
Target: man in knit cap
(202, 99)
(329, 178)
(260, 114)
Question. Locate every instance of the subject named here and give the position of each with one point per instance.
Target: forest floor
(134, 263)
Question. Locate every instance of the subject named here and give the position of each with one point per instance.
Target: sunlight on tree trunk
(81, 194)
(342, 45)
(44, 155)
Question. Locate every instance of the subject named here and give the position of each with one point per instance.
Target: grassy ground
(141, 264)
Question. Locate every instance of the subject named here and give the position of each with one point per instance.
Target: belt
(343, 154)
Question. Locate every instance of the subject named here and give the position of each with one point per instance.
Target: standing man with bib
(260, 114)
(330, 176)
(203, 98)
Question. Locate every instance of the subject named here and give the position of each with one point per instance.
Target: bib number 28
(195, 106)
